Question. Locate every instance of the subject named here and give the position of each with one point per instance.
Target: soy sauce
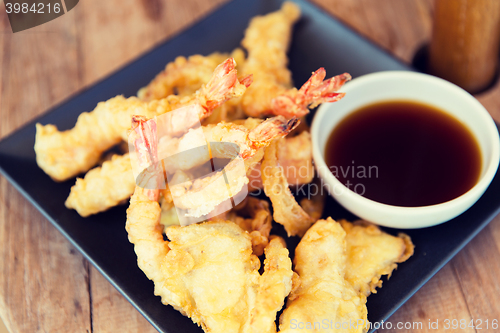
(404, 153)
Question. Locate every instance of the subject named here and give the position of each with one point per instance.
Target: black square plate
(318, 40)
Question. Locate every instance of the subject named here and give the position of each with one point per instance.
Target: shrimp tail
(246, 80)
(223, 85)
(314, 92)
(270, 129)
(144, 136)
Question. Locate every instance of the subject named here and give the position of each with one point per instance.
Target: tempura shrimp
(184, 76)
(201, 196)
(206, 271)
(103, 187)
(63, 155)
(110, 184)
(267, 40)
(324, 294)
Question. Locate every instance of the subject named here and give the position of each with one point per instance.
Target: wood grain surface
(47, 286)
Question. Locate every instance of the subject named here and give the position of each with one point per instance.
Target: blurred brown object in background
(464, 48)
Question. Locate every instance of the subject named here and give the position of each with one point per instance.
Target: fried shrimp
(372, 253)
(206, 271)
(184, 76)
(103, 187)
(286, 209)
(108, 185)
(63, 155)
(324, 295)
(201, 196)
(267, 39)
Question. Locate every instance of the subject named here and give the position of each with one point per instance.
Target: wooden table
(47, 286)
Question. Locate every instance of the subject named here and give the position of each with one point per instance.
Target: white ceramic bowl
(395, 85)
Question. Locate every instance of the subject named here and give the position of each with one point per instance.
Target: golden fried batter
(103, 187)
(372, 253)
(63, 155)
(267, 39)
(182, 77)
(295, 156)
(324, 295)
(208, 272)
(253, 215)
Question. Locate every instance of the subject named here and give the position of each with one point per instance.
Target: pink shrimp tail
(270, 129)
(314, 92)
(145, 142)
(247, 80)
(223, 84)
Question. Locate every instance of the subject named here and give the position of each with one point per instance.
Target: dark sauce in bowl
(404, 153)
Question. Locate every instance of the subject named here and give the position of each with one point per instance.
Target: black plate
(319, 40)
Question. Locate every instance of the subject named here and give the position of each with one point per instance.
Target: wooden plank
(439, 299)
(478, 268)
(105, 45)
(38, 70)
(35, 296)
(400, 27)
(111, 312)
(4, 42)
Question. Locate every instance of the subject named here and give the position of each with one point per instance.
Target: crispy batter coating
(208, 272)
(168, 213)
(182, 77)
(372, 253)
(107, 186)
(295, 156)
(314, 205)
(103, 187)
(253, 215)
(324, 295)
(65, 154)
(201, 196)
(267, 39)
(286, 209)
